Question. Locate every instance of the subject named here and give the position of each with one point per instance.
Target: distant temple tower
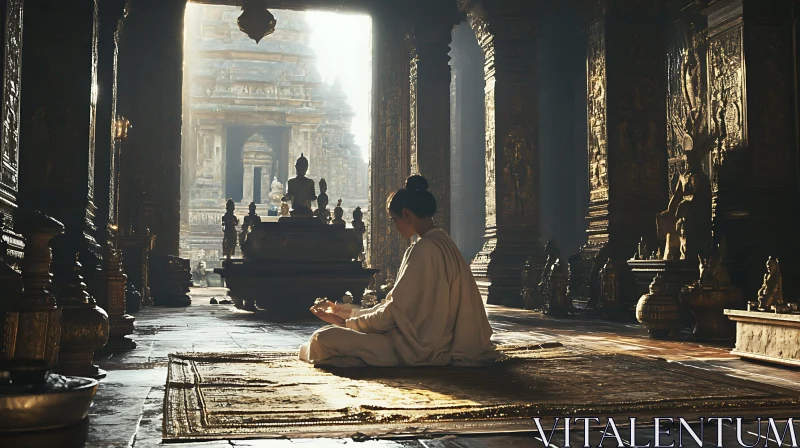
(249, 111)
(257, 163)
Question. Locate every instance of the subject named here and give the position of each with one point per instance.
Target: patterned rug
(273, 394)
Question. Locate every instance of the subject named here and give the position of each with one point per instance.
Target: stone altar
(290, 263)
(765, 336)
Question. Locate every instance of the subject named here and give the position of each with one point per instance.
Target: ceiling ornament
(256, 21)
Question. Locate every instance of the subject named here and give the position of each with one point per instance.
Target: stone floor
(127, 410)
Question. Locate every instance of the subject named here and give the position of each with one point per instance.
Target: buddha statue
(229, 224)
(686, 223)
(249, 222)
(322, 211)
(338, 213)
(360, 228)
(771, 292)
(301, 191)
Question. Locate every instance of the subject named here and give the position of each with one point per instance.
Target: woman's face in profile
(403, 223)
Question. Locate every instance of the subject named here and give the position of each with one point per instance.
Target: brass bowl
(46, 409)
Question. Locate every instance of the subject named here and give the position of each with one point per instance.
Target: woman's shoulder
(432, 241)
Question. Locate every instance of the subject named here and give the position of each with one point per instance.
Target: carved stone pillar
(754, 169)
(389, 165)
(108, 285)
(626, 135)
(507, 35)
(150, 88)
(11, 243)
(57, 168)
(430, 107)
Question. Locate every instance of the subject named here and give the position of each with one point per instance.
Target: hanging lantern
(121, 127)
(255, 20)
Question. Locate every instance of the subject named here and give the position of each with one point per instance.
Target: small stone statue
(229, 224)
(609, 286)
(642, 253)
(249, 222)
(771, 292)
(322, 211)
(301, 191)
(284, 209)
(275, 193)
(686, 223)
(201, 273)
(360, 228)
(338, 213)
(552, 254)
(555, 300)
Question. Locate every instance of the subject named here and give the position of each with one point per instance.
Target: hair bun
(416, 183)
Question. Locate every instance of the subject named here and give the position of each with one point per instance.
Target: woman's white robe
(433, 316)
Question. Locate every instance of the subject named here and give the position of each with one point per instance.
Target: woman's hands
(330, 312)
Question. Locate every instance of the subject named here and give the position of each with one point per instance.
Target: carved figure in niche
(518, 172)
(275, 193)
(338, 213)
(771, 292)
(301, 190)
(322, 211)
(551, 253)
(686, 223)
(229, 224)
(249, 222)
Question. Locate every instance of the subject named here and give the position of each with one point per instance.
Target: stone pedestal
(765, 336)
(111, 295)
(507, 35)
(136, 251)
(30, 322)
(84, 325)
(676, 275)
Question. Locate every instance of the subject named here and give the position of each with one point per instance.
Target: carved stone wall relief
(491, 183)
(412, 103)
(9, 163)
(520, 170)
(726, 92)
(596, 112)
(686, 94)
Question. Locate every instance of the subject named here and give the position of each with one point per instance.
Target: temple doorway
(251, 109)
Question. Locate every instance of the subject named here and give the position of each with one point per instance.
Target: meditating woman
(433, 316)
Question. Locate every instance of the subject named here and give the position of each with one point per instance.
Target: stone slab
(766, 336)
